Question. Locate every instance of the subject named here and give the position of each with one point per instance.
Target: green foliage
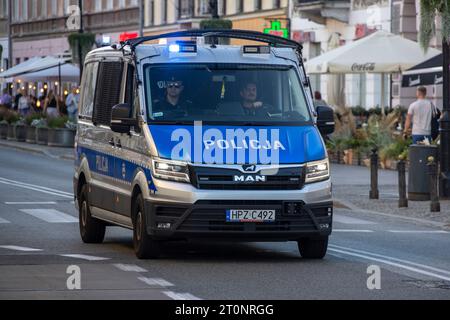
(31, 117)
(398, 147)
(86, 40)
(57, 122)
(360, 111)
(11, 117)
(429, 9)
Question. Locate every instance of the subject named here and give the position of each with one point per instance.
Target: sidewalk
(52, 152)
(351, 186)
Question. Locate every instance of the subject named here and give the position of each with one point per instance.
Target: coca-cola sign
(364, 67)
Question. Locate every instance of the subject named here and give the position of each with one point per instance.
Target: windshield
(225, 93)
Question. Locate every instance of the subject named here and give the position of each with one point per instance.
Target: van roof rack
(221, 33)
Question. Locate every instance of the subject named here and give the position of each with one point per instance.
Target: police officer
(250, 104)
(172, 104)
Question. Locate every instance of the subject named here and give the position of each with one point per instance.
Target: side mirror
(120, 118)
(325, 120)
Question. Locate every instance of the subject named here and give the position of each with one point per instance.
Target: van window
(88, 89)
(129, 90)
(108, 91)
(225, 93)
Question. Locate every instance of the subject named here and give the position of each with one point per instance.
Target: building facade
(4, 60)
(323, 25)
(166, 16)
(41, 27)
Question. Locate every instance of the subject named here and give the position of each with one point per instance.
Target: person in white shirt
(419, 116)
(72, 105)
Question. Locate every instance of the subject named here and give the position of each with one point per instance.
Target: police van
(202, 134)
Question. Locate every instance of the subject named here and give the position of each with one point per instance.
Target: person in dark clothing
(250, 103)
(17, 98)
(172, 104)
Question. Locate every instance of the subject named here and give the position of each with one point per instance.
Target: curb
(34, 150)
(351, 207)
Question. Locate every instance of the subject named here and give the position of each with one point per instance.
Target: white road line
(349, 220)
(50, 215)
(420, 231)
(394, 264)
(180, 296)
(156, 282)
(17, 248)
(36, 189)
(36, 186)
(129, 267)
(4, 221)
(84, 257)
(30, 203)
(393, 259)
(352, 231)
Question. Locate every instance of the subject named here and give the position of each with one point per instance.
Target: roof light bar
(256, 49)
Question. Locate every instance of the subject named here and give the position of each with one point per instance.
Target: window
(258, 4)
(225, 93)
(185, 8)
(276, 4)
(107, 93)
(239, 6)
(130, 85)
(88, 89)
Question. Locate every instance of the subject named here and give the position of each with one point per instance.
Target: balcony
(320, 10)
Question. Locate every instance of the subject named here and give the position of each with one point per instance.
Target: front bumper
(207, 219)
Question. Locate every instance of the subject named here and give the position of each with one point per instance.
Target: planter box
(20, 132)
(31, 134)
(3, 130)
(61, 138)
(11, 133)
(41, 136)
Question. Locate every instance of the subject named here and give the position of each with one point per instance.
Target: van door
(107, 95)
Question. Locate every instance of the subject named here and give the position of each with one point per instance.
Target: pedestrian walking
(51, 105)
(318, 101)
(72, 101)
(23, 105)
(420, 117)
(5, 99)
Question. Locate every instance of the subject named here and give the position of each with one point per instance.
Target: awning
(64, 73)
(33, 65)
(426, 73)
(380, 52)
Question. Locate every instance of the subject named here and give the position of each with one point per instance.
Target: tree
(429, 10)
(86, 40)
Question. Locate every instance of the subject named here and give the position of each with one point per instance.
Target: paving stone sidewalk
(351, 185)
(52, 152)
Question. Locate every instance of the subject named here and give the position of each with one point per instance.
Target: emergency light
(256, 50)
(183, 47)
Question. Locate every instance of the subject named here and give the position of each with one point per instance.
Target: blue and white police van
(189, 135)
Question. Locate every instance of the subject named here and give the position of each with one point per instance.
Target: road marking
(129, 267)
(30, 203)
(393, 259)
(156, 282)
(36, 188)
(352, 231)
(84, 257)
(4, 221)
(50, 215)
(17, 248)
(391, 263)
(419, 231)
(349, 220)
(180, 296)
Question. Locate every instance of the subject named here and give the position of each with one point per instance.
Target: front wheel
(313, 248)
(144, 246)
(91, 230)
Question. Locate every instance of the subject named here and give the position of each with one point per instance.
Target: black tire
(91, 230)
(144, 246)
(313, 248)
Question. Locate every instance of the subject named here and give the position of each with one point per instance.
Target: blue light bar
(174, 48)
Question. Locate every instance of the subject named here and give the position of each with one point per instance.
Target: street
(39, 240)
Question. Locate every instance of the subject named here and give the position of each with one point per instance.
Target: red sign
(127, 36)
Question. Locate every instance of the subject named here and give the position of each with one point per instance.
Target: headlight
(170, 170)
(317, 171)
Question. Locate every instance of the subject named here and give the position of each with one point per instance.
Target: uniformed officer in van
(172, 104)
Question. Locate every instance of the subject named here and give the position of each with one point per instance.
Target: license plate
(250, 215)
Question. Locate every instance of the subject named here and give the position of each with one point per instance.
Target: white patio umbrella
(63, 73)
(381, 52)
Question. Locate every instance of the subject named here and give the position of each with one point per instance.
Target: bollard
(374, 194)
(338, 152)
(401, 167)
(435, 206)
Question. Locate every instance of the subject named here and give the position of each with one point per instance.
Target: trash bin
(418, 178)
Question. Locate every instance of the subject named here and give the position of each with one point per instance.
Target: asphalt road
(39, 241)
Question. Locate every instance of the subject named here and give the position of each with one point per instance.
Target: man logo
(250, 179)
(249, 167)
